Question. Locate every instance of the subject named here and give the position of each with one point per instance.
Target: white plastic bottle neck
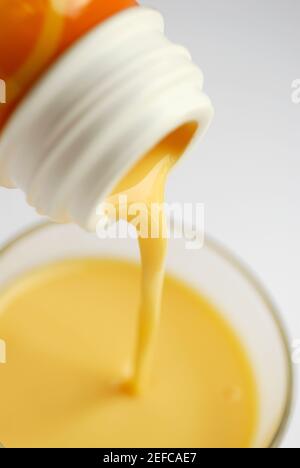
(117, 92)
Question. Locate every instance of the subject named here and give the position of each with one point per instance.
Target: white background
(247, 169)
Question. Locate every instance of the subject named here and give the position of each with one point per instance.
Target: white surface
(247, 169)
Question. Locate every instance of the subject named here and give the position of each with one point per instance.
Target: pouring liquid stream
(144, 189)
(69, 367)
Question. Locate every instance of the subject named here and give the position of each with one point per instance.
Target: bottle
(91, 86)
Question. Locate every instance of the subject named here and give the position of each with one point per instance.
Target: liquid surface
(70, 340)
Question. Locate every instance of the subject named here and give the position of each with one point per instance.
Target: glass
(213, 271)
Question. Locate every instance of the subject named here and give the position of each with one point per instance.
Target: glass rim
(244, 270)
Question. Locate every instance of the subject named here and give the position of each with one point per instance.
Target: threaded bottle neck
(105, 104)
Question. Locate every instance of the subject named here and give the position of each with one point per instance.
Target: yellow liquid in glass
(70, 329)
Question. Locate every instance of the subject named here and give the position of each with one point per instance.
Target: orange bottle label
(33, 33)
